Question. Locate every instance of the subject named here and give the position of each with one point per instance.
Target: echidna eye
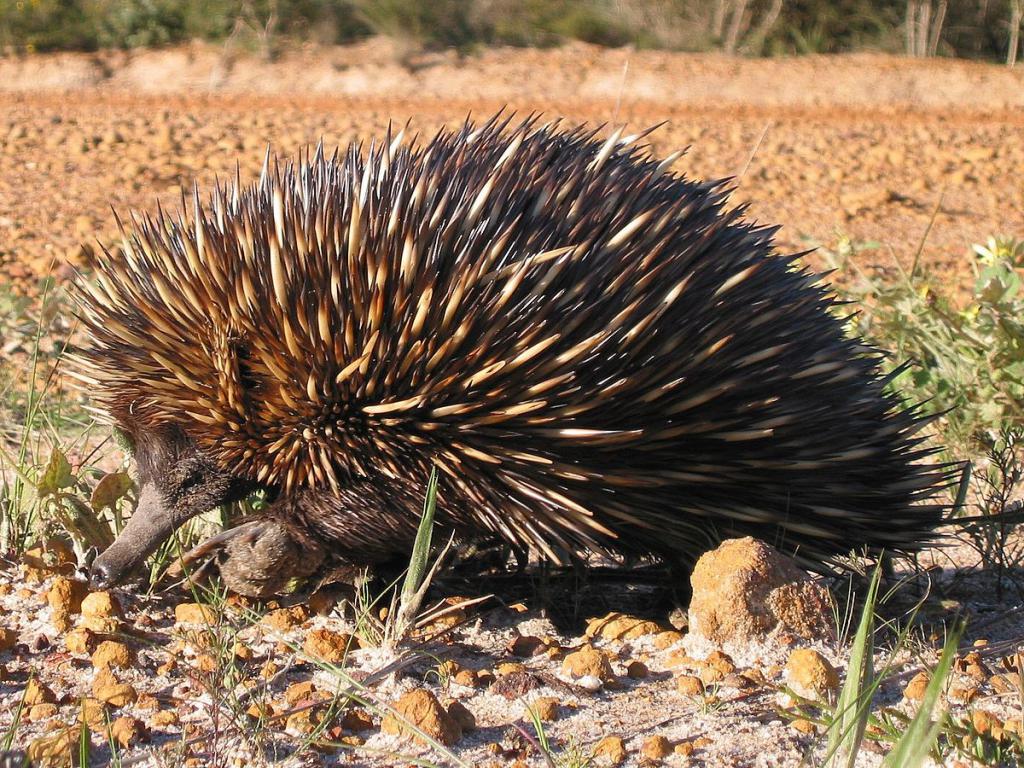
(190, 479)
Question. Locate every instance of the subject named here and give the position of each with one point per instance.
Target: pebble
(610, 751)
(111, 654)
(656, 748)
(811, 675)
(545, 708)
(329, 646)
(422, 709)
(588, 662)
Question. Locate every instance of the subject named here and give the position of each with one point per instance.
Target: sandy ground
(868, 147)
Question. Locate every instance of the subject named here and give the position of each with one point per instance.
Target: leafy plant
(967, 357)
(994, 531)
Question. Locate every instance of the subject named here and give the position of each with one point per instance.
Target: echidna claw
(212, 546)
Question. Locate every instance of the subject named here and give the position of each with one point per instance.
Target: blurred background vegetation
(985, 29)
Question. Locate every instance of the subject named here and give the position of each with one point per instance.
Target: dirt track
(866, 146)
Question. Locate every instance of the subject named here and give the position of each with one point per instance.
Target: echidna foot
(258, 558)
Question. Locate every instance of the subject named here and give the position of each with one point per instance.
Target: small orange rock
(8, 639)
(588, 661)
(285, 618)
(964, 694)
(101, 605)
(679, 658)
(421, 709)
(546, 708)
(200, 639)
(128, 731)
(146, 701)
(107, 689)
(304, 721)
(163, 718)
(526, 645)
(358, 719)
(804, 726)
(61, 621)
(194, 613)
(260, 710)
(811, 675)
(466, 677)
(720, 661)
(56, 749)
(916, 687)
(204, 662)
(65, 595)
(710, 675)
(690, 685)
(619, 626)
(448, 669)
(666, 639)
(296, 692)
(111, 654)
(986, 723)
(242, 652)
(94, 713)
(656, 748)
(610, 751)
(684, 748)
(327, 645)
(38, 693)
(39, 712)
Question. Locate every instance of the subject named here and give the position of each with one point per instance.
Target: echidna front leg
(261, 559)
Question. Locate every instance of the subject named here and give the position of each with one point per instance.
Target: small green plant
(846, 729)
(851, 720)
(710, 701)
(573, 755)
(404, 611)
(84, 741)
(966, 357)
(994, 532)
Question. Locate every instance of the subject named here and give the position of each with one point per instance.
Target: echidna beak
(153, 521)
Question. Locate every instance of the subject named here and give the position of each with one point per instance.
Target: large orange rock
(746, 589)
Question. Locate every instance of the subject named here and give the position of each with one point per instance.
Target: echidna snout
(176, 482)
(595, 353)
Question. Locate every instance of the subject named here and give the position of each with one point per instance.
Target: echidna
(596, 353)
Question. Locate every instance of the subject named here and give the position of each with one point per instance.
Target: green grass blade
(84, 743)
(919, 738)
(846, 730)
(8, 740)
(962, 487)
(420, 559)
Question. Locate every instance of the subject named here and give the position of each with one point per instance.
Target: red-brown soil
(869, 147)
